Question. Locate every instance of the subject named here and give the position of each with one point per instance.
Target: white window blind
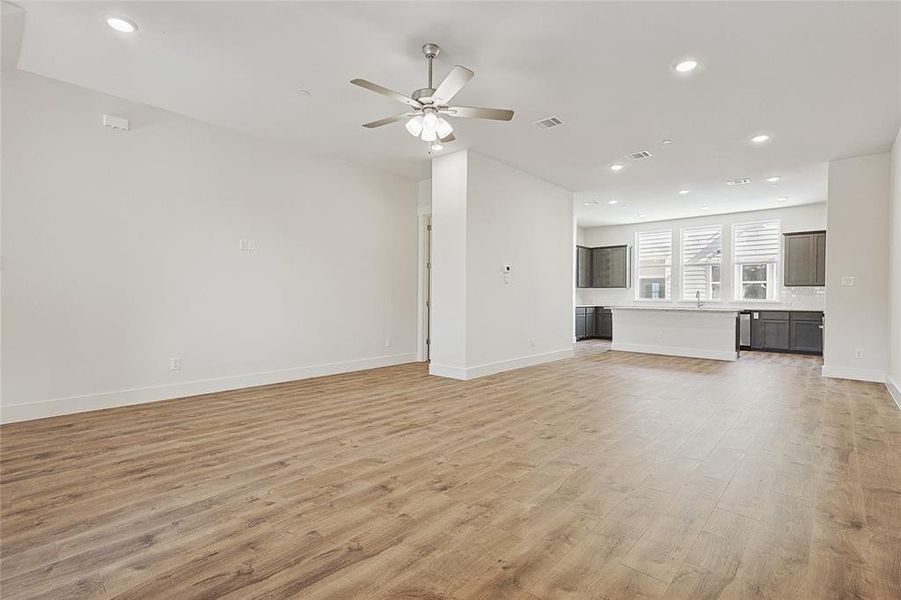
(755, 252)
(702, 250)
(756, 242)
(655, 255)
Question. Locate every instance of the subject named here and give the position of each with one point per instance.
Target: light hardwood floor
(610, 475)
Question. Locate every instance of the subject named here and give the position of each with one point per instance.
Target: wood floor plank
(611, 475)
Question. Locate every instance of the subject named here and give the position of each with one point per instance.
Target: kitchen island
(677, 331)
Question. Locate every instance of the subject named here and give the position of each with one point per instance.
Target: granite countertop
(710, 309)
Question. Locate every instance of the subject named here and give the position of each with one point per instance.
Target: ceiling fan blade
(448, 138)
(386, 92)
(385, 121)
(474, 112)
(453, 83)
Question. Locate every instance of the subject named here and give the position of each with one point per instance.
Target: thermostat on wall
(114, 122)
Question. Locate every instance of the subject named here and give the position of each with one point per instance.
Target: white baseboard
(676, 351)
(894, 390)
(853, 373)
(499, 366)
(87, 402)
(446, 371)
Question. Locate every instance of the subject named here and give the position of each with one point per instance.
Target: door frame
(423, 344)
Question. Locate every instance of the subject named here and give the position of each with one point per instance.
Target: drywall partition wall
(516, 219)
(121, 250)
(808, 217)
(486, 216)
(857, 264)
(893, 377)
(424, 204)
(448, 334)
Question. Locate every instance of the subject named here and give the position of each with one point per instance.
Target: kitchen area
(704, 290)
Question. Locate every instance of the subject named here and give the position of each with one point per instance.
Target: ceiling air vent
(639, 155)
(738, 181)
(548, 123)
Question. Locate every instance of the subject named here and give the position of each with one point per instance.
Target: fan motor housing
(423, 93)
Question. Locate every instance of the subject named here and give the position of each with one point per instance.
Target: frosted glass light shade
(444, 128)
(414, 125)
(430, 120)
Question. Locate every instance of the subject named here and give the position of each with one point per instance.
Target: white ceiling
(821, 77)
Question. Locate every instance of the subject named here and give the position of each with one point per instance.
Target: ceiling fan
(430, 105)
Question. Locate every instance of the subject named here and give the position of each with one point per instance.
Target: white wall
(120, 250)
(485, 215)
(808, 217)
(857, 245)
(893, 380)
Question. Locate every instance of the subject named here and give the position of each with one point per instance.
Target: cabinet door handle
(820, 326)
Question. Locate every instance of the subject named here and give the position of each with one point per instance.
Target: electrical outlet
(532, 342)
(387, 341)
(175, 363)
(660, 334)
(858, 353)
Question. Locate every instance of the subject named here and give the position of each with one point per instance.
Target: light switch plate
(848, 281)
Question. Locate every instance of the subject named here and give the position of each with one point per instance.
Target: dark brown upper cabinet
(583, 267)
(804, 259)
(602, 267)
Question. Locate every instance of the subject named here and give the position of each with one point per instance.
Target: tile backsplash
(803, 298)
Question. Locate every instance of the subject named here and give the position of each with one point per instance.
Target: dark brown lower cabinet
(787, 331)
(594, 322)
(604, 323)
(580, 322)
(806, 334)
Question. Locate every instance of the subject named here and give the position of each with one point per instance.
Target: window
(702, 255)
(756, 257)
(655, 265)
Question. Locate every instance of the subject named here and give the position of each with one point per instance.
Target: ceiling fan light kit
(430, 105)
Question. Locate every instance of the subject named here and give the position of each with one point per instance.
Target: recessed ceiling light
(122, 25)
(587, 203)
(616, 167)
(760, 138)
(611, 201)
(773, 179)
(686, 66)
(668, 141)
(683, 192)
(783, 198)
(705, 208)
(641, 216)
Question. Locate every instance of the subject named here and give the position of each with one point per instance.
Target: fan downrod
(430, 51)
